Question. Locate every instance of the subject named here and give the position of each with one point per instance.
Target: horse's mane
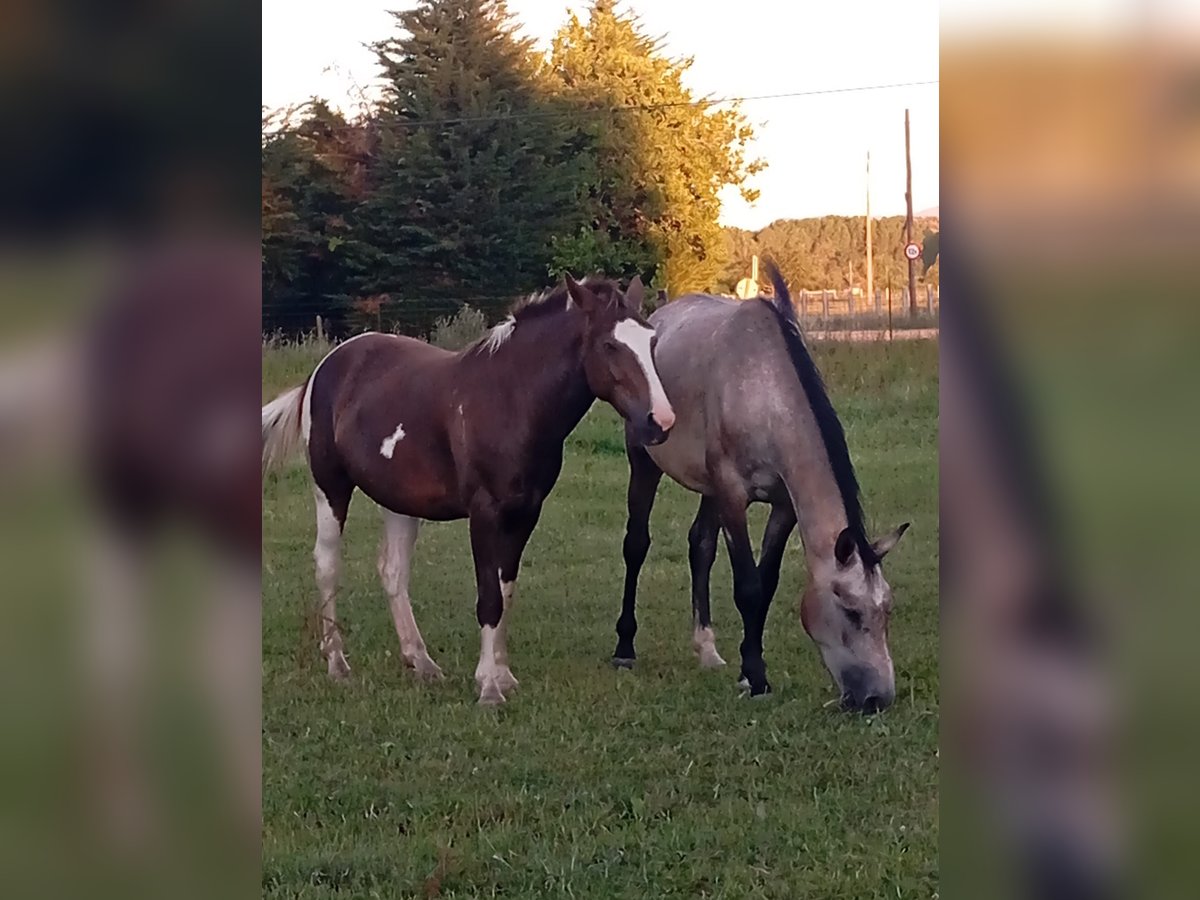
(539, 305)
(555, 299)
(828, 423)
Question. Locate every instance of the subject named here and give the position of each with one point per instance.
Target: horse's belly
(682, 457)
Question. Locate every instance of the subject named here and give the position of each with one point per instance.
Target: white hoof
(710, 658)
(490, 693)
(743, 683)
(339, 669)
(425, 668)
(505, 679)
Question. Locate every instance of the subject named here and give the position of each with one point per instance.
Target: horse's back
(377, 406)
(725, 366)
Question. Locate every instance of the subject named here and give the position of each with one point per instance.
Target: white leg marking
(505, 676)
(636, 337)
(327, 555)
(395, 567)
(487, 672)
(388, 447)
(703, 642)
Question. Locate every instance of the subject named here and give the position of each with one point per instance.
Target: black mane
(828, 423)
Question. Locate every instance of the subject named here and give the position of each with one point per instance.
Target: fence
(846, 304)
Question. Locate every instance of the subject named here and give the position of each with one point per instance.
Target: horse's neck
(548, 376)
(820, 513)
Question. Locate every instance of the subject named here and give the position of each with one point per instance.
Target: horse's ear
(884, 545)
(844, 549)
(635, 295)
(580, 294)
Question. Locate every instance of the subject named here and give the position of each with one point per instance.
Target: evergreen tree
(312, 179)
(476, 169)
(654, 196)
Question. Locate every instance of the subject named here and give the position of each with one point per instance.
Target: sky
(815, 146)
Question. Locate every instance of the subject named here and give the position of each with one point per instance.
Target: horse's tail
(281, 427)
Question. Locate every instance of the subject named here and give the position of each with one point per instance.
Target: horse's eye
(853, 616)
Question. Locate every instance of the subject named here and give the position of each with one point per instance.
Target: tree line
(486, 169)
(830, 252)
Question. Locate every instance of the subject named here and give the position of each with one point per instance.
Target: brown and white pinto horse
(479, 434)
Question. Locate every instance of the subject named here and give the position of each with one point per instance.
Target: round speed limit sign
(912, 251)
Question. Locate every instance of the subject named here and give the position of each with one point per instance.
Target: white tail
(281, 427)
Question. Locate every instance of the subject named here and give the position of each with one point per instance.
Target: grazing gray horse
(754, 423)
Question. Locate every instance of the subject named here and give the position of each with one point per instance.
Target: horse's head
(845, 610)
(618, 357)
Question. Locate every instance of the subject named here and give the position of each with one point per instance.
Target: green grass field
(591, 782)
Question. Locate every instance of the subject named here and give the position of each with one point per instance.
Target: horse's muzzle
(861, 693)
(650, 433)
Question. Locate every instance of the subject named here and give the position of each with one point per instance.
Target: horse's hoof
(339, 669)
(427, 670)
(743, 683)
(506, 680)
(710, 658)
(622, 662)
(490, 693)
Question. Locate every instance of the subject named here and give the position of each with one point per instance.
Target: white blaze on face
(636, 337)
(388, 447)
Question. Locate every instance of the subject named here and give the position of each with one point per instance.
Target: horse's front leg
(747, 584)
(492, 675)
(644, 476)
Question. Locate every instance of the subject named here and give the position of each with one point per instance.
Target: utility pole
(908, 223)
(870, 265)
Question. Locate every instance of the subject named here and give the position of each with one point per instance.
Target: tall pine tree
(476, 167)
(312, 180)
(659, 170)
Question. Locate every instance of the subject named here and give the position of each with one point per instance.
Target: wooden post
(870, 263)
(803, 304)
(889, 289)
(320, 329)
(908, 222)
(825, 306)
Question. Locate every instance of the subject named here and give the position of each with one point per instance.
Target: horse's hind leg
(702, 551)
(644, 476)
(332, 507)
(395, 567)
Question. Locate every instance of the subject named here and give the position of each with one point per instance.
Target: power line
(648, 107)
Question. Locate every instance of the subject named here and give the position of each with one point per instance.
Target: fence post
(878, 300)
(803, 304)
(825, 307)
(320, 329)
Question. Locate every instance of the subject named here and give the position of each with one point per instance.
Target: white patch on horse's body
(395, 569)
(388, 447)
(499, 334)
(327, 558)
(306, 403)
(636, 336)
